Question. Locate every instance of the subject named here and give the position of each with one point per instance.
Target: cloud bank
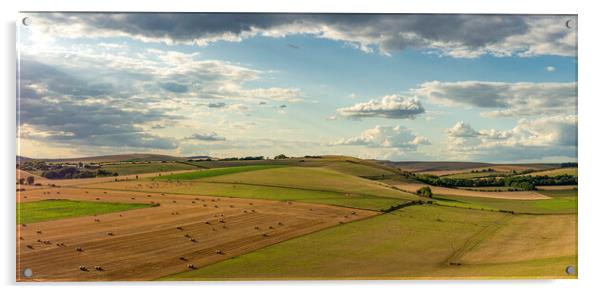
(460, 36)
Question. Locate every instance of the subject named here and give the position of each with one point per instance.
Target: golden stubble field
(182, 233)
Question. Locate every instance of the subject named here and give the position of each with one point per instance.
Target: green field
(46, 210)
(414, 242)
(320, 179)
(215, 172)
(568, 194)
(563, 201)
(125, 169)
(359, 169)
(571, 171)
(471, 175)
(353, 200)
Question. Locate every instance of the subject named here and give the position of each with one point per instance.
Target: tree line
(518, 182)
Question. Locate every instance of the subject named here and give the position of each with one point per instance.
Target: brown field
(521, 195)
(87, 181)
(501, 168)
(564, 187)
(526, 237)
(149, 243)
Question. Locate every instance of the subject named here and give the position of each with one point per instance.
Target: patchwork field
(441, 191)
(144, 244)
(408, 243)
(571, 171)
(143, 168)
(309, 218)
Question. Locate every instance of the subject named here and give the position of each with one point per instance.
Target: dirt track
(152, 242)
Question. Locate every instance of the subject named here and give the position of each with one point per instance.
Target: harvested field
(571, 171)
(526, 237)
(554, 205)
(85, 181)
(320, 179)
(353, 200)
(565, 187)
(145, 244)
(215, 172)
(440, 191)
(406, 244)
(124, 169)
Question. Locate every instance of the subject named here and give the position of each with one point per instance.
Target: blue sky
(397, 87)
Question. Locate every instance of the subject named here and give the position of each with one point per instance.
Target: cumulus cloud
(463, 36)
(212, 136)
(529, 139)
(504, 99)
(462, 130)
(550, 68)
(392, 106)
(397, 137)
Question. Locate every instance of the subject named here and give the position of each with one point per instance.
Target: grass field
(46, 210)
(320, 179)
(562, 201)
(358, 169)
(405, 244)
(353, 200)
(571, 171)
(141, 168)
(471, 175)
(215, 172)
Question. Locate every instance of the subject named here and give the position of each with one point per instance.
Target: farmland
(143, 168)
(45, 210)
(348, 218)
(406, 244)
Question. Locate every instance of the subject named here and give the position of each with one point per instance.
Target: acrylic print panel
(196, 146)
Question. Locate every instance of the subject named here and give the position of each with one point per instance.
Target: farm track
(476, 239)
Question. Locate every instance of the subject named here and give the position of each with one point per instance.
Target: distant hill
(458, 166)
(118, 157)
(421, 166)
(22, 158)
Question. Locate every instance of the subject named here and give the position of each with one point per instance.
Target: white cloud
(392, 106)
(397, 137)
(462, 130)
(529, 139)
(550, 68)
(504, 99)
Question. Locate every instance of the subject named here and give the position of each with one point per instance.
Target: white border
(589, 141)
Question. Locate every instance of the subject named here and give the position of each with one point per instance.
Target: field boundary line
(293, 238)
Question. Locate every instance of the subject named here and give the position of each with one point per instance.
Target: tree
(281, 156)
(30, 180)
(425, 192)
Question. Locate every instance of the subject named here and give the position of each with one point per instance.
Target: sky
(492, 88)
